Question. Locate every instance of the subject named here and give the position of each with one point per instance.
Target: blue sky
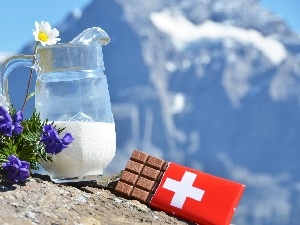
(287, 9)
(18, 17)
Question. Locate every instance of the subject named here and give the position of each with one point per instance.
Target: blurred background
(210, 84)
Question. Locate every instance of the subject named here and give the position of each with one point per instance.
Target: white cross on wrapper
(183, 189)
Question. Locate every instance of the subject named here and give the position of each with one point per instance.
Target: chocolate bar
(141, 176)
(178, 190)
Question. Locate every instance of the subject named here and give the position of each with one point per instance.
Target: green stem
(30, 76)
(12, 140)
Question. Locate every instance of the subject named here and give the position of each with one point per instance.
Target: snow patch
(178, 103)
(285, 83)
(171, 67)
(77, 13)
(183, 32)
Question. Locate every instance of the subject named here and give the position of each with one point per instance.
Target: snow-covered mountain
(211, 84)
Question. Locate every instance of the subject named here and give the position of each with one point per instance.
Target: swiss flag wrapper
(197, 196)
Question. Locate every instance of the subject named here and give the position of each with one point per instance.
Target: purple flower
(9, 125)
(16, 170)
(52, 141)
(18, 117)
(6, 123)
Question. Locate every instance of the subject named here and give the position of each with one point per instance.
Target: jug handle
(10, 64)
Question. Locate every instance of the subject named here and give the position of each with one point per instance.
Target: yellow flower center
(43, 37)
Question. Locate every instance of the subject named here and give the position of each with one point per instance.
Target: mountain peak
(197, 81)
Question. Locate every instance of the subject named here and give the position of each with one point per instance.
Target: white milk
(90, 153)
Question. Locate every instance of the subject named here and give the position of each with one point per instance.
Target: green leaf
(30, 96)
(27, 145)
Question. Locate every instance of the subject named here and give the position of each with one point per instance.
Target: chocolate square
(141, 176)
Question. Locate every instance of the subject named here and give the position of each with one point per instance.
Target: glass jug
(71, 90)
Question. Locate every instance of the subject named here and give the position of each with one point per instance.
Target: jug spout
(92, 35)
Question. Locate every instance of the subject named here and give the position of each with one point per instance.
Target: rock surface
(40, 201)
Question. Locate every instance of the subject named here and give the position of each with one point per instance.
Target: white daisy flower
(3, 102)
(44, 34)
